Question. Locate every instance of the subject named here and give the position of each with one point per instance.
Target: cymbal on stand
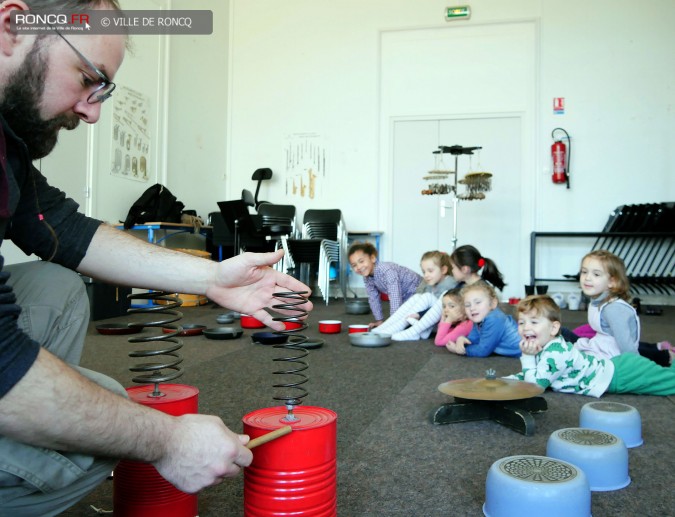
(490, 389)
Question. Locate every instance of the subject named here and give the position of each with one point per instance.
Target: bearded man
(62, 427)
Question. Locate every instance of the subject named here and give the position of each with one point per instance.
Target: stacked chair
(277, 222)
(323, 244)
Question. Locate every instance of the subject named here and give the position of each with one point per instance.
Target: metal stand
(515, 414)
(455, 150)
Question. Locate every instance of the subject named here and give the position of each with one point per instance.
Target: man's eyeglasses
(104, 88)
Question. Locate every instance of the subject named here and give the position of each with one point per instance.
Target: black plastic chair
(222, 239)
(260, 175)
(302, 258)
(247, 198)
(277, 220)
(248, 236)
(322, 223)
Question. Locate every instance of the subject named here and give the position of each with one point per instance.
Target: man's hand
(247, 283)
(201, 452)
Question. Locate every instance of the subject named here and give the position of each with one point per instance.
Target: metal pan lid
(370, 339)
(222, 333)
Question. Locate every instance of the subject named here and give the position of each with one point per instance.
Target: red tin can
(138, 489)
(297, 473)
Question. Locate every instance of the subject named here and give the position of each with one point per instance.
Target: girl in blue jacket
(493, 331)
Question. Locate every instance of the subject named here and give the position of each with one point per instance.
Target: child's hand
(455, 348)
(462, 341)
(413, 316)
(374, 324)
(530, 347)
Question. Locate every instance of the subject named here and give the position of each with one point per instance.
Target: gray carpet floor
(391, 459)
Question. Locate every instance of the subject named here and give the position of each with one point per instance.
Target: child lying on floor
(493, 331)
(551, 362)
(454, 322)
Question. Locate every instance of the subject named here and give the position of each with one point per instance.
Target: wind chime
(476, 182)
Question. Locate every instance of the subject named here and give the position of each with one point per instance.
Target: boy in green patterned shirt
(551, 362)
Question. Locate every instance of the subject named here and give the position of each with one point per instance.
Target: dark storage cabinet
(105, 300)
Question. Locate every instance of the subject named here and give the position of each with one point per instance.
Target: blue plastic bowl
(602, 456)
(518, 486)
(621, 420)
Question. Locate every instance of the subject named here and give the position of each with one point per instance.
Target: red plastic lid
(307, 417)
(172, 392)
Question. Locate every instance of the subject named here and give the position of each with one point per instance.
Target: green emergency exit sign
(459, 12)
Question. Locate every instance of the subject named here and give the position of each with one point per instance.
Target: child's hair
(616, 269)
(481, 285)
(440, 258)
(366, 247)
(456, 294)
(471, 257)
(542, 305)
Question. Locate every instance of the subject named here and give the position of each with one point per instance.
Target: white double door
(472, 86)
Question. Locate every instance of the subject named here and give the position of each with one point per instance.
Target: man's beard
(20, 106)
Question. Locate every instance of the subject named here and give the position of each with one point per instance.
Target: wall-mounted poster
(131, 134)
(305, 158)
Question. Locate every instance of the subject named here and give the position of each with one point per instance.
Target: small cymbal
(490, 389)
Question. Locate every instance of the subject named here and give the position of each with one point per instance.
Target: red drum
(297, 473)
(138, 489)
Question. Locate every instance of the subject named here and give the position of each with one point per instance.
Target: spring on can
(293, 365)
(154, 371)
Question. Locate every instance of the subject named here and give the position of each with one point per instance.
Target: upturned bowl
(357, 306)
(619, 419)
(602, 456)
(527, 485)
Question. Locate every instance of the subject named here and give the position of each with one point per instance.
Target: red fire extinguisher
(560, 154)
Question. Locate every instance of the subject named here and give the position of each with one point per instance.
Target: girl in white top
(435, 267)
(603, 279)
(467, 267)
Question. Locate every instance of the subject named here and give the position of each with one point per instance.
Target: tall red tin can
(297, 473)
(138, 489)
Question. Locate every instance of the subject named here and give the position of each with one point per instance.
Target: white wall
(613, 64)
(313, 65)
(198, 101)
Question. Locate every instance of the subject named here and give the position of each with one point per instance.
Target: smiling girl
(603, 279)
(467, 266)
(493, 331)
(435, 267)
(398, 282)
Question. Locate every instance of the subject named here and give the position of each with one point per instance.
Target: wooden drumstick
(269, 436)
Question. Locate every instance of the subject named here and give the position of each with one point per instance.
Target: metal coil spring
(155, 371)
(293, 390)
